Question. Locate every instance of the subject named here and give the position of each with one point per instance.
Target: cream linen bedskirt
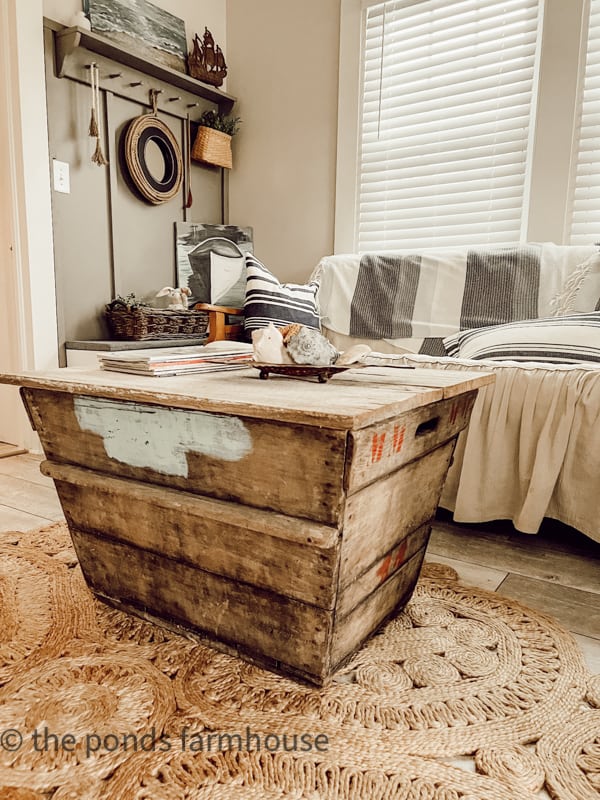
(532, 448)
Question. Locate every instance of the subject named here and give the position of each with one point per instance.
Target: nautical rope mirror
(148, 136)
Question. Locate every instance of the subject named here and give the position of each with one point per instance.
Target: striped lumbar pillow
(561, 340)
(268, 300)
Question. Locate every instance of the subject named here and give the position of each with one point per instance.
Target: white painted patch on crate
(159, 438)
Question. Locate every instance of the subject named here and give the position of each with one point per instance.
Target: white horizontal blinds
(446, 112)
(585, 199)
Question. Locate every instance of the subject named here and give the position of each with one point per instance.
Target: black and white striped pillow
(268, 300)
(559, 340)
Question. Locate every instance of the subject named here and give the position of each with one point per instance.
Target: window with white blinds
(445, 121)
(585, 195)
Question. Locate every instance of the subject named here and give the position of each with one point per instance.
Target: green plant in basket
(129, 301)
(220, 122)
(213, 140)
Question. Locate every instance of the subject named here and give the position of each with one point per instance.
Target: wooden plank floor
(557, 571)
(7, 450)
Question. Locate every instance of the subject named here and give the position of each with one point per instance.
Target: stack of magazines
(169, 361)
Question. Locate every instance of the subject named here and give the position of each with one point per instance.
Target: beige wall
(283, 67)
(108, 241)
(195, 13)
(283, 62)
(26, 250)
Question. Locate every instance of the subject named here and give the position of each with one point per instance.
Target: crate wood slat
(381, 448)
(360, 404)
(309, 483)
(227, 457)
(359, 588)
(252, 619)
(351, 631)
(386, 511)
(451, 383)
(281, 553)
(283, 519)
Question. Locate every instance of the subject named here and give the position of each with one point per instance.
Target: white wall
(28, 266)
(9, 399)
(562, 66)
(283, 67)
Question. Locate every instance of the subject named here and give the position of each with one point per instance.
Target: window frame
(552, 154)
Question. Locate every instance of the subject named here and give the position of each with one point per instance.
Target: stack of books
(168, 361)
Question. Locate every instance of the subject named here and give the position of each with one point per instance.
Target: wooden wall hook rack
(77, 48)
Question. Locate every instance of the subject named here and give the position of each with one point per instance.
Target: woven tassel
(93, 129)
(98, 156)
(93, 124)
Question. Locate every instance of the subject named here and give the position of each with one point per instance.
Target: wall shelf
(76, 48)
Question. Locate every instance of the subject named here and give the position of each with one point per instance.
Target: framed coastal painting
(211, 262)
(145, 29)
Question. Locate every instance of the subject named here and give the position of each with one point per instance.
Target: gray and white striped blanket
(414, 300)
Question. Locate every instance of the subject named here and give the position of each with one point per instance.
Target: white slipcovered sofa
(532, 449)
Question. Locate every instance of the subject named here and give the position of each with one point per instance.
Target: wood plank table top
(349, 401)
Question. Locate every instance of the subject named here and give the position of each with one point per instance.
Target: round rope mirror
(146, 137)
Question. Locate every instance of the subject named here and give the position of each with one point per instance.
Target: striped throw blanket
(414, 300)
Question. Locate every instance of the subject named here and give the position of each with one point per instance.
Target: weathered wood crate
(285, 520)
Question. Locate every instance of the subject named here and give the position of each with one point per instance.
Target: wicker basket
(141, 322)
(212, 147)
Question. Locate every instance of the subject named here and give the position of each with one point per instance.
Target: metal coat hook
(115, 75)
(137, 83)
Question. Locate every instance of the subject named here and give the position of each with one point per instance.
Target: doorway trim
(27, 243)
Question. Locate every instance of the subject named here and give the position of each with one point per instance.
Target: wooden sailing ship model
(206, 62)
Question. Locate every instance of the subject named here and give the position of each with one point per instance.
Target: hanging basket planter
(212, 147)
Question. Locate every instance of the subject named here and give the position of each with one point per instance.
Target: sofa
(532, 449)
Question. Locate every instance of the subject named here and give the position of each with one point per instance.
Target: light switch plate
(62, 181)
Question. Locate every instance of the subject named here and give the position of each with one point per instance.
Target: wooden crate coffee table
(284, 519)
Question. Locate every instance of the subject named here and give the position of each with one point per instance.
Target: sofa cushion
(581, 291)
(562, 340)
(268, 300)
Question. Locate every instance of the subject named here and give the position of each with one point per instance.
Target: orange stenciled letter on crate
(377, 443)
(398, 438)
(392, 561)
(458, 408)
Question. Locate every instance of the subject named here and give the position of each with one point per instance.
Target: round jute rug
(464, 695)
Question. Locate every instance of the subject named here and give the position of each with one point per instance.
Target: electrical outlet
(61, 176)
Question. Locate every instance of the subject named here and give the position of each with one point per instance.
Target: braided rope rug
(464, 695)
